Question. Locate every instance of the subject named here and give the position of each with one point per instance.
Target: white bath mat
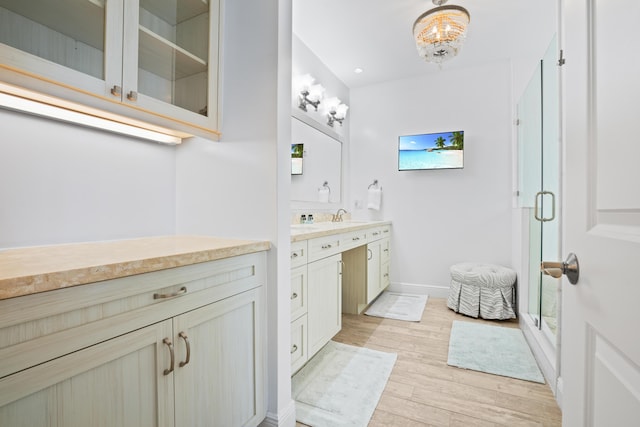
(341, 385)
(394, 305)
(492, 349)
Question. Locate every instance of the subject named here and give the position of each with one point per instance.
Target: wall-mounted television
(297, 151)
(442, 150)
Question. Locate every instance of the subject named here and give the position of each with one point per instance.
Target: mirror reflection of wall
(321, 162)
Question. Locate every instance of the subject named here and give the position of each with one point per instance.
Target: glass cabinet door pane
(173, 52)
(67, 32)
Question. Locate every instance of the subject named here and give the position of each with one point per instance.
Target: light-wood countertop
(31, 270)
(320, 229)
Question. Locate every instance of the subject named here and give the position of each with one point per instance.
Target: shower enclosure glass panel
(539, 184)
(551, 186)
(530, 177)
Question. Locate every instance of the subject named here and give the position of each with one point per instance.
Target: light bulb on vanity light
(336, 111)
(308, 93)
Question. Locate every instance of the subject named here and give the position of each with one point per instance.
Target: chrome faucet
(337, 217)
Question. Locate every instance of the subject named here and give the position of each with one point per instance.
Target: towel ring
(325, 185)
(373, 184)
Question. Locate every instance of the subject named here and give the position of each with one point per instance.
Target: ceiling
(376, 35)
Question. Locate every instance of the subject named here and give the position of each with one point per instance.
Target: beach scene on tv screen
(442, 150)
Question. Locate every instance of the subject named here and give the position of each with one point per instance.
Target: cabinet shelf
(176, 12)
(166, 59)
(87, 17)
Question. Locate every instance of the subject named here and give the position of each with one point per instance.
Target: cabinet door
(171, 58)
(373, 270)
(299, 299)
(74, 42)
(219, 378)
(119, 382)
(324, 311)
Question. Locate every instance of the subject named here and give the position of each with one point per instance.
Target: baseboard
(286, 417)
(420, 289)
(559, 387)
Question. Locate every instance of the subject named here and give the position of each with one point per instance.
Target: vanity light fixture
(26, 101)
(440, 32)
(336, 111)
(309, 93)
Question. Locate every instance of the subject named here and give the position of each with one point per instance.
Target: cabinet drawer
(385, 250)
(379, 233)
(384, 275)
(353, 239)
(298, 253)
(323, 247)
(299, 354)
(298, 292)
(40, 327)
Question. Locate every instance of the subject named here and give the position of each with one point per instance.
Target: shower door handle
(541, 194)
(570, 268)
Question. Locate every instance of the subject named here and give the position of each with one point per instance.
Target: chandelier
(440, 32)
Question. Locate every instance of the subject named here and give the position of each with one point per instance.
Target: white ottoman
(484, 290)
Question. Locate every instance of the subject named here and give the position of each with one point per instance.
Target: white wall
(440, 217)
(235, 187)
(61, 183)
(304, 61)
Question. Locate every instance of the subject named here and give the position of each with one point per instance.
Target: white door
(601, 336)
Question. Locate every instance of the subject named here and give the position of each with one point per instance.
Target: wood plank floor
(424, 391)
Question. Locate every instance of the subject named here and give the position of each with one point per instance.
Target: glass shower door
(539, 184)
(530, 179)
(550, 187)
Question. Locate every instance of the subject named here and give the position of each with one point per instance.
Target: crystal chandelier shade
(440, 32)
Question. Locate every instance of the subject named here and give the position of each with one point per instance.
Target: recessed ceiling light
(358, 70)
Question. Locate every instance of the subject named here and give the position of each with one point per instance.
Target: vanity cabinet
(335, 268)
(316, 300)
(176, 347)
(324, 315)
(366, 271)
(151, 60)
(377, 268)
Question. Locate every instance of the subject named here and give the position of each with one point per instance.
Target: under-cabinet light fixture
(23, 100)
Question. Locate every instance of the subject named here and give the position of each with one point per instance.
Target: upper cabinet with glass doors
(151, 60)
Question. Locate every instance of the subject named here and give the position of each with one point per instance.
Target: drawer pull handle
(294, 255)
(355, 239)
(182, 291)
(168, 344)
(386, 250)
(375, 233)
(116, 90)
(294, 349)
(186, 341)
(294, 295)
(327, 246)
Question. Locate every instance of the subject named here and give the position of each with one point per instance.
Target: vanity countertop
(30, 270)
(320, 229)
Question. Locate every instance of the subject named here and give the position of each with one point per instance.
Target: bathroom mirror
(321, 162)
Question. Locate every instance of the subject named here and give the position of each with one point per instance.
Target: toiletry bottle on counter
(310, 219)
(303, 219)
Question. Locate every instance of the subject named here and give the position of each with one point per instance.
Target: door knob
(570, 268)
